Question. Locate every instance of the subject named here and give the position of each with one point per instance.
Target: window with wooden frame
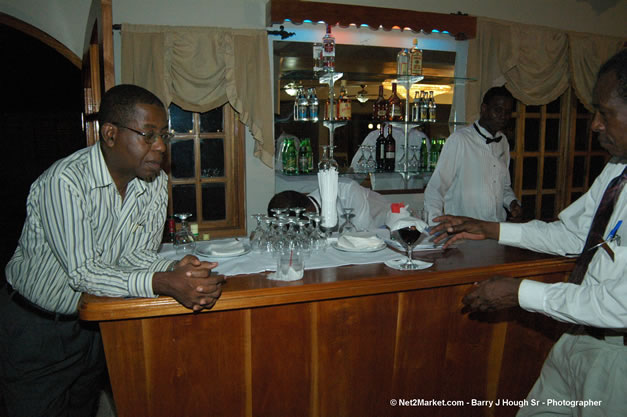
(554, 157)
(206, 169)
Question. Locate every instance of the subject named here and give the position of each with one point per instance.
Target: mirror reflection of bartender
(415, 137)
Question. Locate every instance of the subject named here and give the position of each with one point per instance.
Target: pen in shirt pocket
(613, 232)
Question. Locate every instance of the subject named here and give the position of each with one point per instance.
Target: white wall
(65, 20)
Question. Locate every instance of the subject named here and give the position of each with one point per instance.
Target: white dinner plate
(345, 249)
(206, 252)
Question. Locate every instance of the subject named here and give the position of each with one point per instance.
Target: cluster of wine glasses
(366, 162)
(288, 229)
(413, 163)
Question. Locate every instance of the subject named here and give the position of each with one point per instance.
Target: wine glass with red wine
(408, 236)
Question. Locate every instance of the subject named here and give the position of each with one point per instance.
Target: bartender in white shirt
(369, 206)
(471, 177)
(589, 361)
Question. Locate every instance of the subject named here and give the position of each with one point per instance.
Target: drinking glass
(407, 236)
(184, 239)
(362, 165)
(371, 163)
(347, 226)
(413, 164)
(327, 162)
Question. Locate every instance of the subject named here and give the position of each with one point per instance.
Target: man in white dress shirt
(471, 177)
(589, 362)
(369, 206)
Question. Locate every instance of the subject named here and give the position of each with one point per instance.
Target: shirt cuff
(140, 284)
(531, 295)
(510, 233)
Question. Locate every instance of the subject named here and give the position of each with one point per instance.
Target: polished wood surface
(341, 342)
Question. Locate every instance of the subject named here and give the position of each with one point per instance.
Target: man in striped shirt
(94, 224)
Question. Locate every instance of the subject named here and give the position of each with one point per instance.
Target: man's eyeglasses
(150, 137)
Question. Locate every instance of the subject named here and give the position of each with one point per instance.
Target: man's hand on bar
(191, 283)
(457, 228)
(494, 294)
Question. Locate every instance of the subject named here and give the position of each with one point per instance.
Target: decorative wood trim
(460, 26)
(24, 27)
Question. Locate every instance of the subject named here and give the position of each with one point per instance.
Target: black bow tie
(487, 139)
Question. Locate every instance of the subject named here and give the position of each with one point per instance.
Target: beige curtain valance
(201, 68)
(537, 64)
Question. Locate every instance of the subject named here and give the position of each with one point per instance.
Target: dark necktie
(599, 224)
(487, 139)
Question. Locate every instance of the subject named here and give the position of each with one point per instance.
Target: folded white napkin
(233, 247)
(395, 221)
(359, 240)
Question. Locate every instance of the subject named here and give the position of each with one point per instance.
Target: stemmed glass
(370, 162)
(362, 162)
(408, 236)
(183, 239)
(347, 226)
(318, 237)
(257, 234)
(413, 164)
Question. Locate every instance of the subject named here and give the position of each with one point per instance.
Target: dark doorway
(40, 122)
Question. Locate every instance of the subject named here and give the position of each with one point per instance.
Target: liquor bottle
(380, 149)
(432, 107)
(424, 107)
(402, 62)
(415, 59)
(303, 157)
(380, 106)
(343, 104)
(170, 230)
(317, 58)
(303, 107)
(395, 112)
(415, 108)
(289, 158)
(328, 51)
(313, 105)
(390, 151)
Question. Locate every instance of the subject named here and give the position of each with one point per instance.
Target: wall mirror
(365, 67)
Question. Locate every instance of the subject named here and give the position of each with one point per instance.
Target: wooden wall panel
(177, 366)
(356, 338)
(281, 360)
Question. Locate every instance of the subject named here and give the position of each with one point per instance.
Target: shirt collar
(486, 133)
(101, 175)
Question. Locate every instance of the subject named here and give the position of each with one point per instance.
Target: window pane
(184, 199)
(183, 158)
(212, 158)
(212, 121)
(532, 135)
(550, 173)
(181, 121)
(552, 139)
(529, 207)
(554, 106)
(579, 171)
(548, 207)
(574, 196)
(214, 201)
(533, 109)
(596, 166)
(581, 134)
(530, 173)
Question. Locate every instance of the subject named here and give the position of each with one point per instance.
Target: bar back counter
(357, 340)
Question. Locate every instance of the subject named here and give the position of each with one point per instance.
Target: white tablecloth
(255, 262)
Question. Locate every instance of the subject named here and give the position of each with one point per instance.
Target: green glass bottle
(290, 157)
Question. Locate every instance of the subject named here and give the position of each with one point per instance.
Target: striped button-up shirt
(80, 236)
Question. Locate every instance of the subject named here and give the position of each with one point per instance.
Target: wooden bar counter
(346, 341)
